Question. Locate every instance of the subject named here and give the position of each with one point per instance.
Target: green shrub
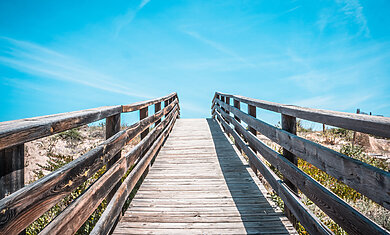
(72, 134)
(55, 162)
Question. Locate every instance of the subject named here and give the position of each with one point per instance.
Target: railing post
(11, 169)
(113, 126)
(237, 105)
(252, 112)
(223, 101)
(289, 124)
(227, 101)
(143, 113)
(157, 107)
(166, 103)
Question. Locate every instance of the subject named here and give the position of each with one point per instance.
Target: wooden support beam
(237, 105)
(223, 100)
(157, 107)
(252, 112)
(227, 101)
(312, 224)
(351, 220)
(143, 113)
(11, 169)
(113, 126)
(166, 103)
(350, 171)
(26, 205)
(289, 124)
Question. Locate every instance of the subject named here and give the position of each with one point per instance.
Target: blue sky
(59, 56)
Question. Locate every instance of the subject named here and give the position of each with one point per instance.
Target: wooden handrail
(73, 217)
(24, 130)
(369, 180)
(24, 206)
(114, 208)
(330, 203)
(379, 126)
(364, 178)
(308, 220)
(143, 104)
(28, 129)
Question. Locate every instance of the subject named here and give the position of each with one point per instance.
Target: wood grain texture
(312, 224)
(114, 208)
(113, 126)
(74, 216)
(198, 183)
(289, 124)
(379, 126)
(364, 178)
(24, 130)
(143, 113)
(343, 214)
(143, 104)
(157, 107)
(21, 208)
(11, 169)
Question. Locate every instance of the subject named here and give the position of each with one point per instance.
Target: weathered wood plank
(113, 126)
(114, 208)
(143, 113)
(21, 208)
(73, 217)
(251, 112)
(199, 231)
(364, 178)
(24, 130)
(221, 187)
(157, 107)
(143, 104)
(11, 169)
(289, 124)
(379, 126)
(343, 214)
(312, 224)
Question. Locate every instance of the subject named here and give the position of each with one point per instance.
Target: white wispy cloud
(41, 61)
(354, 10)
(122, 21)
(219, 47)
(143, 3)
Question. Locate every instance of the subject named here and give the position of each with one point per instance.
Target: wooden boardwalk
(199, 184)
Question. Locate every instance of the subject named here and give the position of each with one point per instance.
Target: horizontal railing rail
(375, 125)
(364, 178)
(19, 209)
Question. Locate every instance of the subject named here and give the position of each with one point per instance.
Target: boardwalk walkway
(200, 185)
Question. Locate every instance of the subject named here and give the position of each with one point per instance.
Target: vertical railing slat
(113, 126)
(289, 124)
(143, 113)
(252, 112)
(157, 107)
(11, 169)
(237, 105)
